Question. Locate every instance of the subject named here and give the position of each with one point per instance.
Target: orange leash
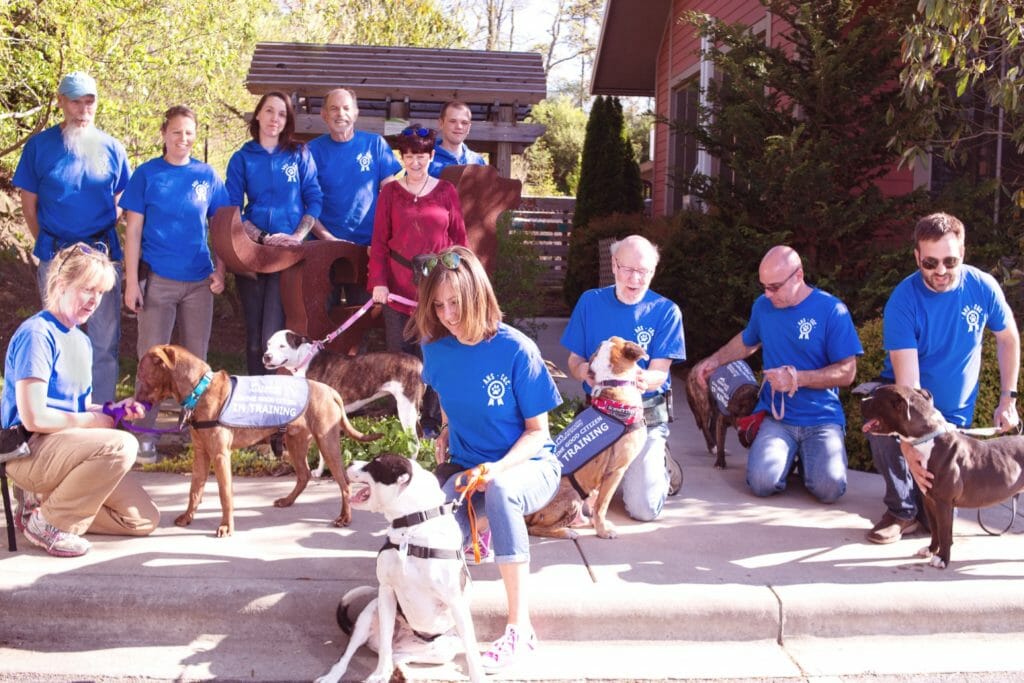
(467, 483)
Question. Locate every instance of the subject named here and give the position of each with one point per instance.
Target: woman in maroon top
(417, 214)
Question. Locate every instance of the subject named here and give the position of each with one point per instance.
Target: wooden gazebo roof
(409, 83)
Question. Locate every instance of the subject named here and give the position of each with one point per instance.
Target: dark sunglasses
(776, 286)
(419, 132)
(448, 259)
(930, 263)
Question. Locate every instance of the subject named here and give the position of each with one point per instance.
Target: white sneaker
(51, 539)
(511, 647)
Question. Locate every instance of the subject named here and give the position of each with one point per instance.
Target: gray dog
(968, 473)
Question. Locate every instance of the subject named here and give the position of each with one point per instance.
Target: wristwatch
(1011, 394)
(263, 235)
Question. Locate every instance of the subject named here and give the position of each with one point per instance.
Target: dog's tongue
(869, 426)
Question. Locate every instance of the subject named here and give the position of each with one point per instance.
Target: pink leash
(318, 346)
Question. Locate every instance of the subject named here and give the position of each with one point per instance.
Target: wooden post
(503, 159)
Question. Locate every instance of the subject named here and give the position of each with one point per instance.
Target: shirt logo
(496, 385)
(805, 326)
(201, 189)
(365, 159)
(291, 171)
(972, 314)
(644, 336)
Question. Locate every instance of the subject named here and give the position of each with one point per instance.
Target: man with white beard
(70, 177)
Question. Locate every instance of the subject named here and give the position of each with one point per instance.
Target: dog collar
(414, 518)
(926, 438)
(190, 401)
(617, 383)
(624, 413)
(423, 552)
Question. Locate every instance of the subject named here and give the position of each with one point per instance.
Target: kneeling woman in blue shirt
(272, 178)
(495, 396)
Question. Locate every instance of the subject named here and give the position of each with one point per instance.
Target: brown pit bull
(713, 422)
(169, 370)
(613, 368)
(969, 473)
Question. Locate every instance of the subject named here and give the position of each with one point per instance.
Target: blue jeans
(902, 497)
(645, 483)
(104, 331)
(264, 315)
(522, 490)
(822, 450)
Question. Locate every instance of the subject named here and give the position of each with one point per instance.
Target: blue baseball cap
(77, 84)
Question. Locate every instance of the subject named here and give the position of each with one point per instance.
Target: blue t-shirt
(946, 329)
(488, 391)
(350, 175)
(442, 158)
(75, 204)
(42, 348)
(815, 333)
(273, 190)
(175, 202)
(655, 323)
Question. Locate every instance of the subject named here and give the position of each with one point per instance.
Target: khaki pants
(80, 476)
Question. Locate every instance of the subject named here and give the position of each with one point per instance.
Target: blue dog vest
(264, 401)
(587, 435)
(727, 379)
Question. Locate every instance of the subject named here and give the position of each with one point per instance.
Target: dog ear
(164, 355)
(927, 394)
(633, 351)
(296, 340)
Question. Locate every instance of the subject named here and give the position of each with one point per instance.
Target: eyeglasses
(931, 263)
(428, 262)
(418, 132)
(774, 287)
(642, 272)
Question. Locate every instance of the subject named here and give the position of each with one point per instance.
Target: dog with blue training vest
(225, 412)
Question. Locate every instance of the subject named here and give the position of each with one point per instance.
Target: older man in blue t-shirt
(810, 348)
(629, 309)
(932, 328)
(70, 177)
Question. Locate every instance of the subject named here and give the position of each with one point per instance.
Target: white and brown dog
(613, 370)
(359, 379)
(422, 601)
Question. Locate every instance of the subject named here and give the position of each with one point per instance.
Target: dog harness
(726, 380)
(421, 551)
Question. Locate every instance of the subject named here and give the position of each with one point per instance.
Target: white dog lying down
(421, 571)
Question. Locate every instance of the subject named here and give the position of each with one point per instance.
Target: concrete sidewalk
(724, 586)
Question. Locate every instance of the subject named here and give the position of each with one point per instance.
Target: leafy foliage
(562, 142)
(962, 63)
(609, 184)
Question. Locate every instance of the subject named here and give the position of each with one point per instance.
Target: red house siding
(678, 61)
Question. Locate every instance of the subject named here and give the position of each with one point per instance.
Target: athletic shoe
(675, 474)
(147, 454)
(51, 539)
(486, 551)
(510, 647)
(27, 503)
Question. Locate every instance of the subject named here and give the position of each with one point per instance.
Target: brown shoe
(891, 529)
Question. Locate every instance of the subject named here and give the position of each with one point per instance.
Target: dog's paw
(342, 520)
(925, 552)
(937, 562)
(284, 502)
(377, 677)
(224, 530)
(606, 531)
(183, 519)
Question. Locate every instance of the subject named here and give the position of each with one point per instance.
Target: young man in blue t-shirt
(932, 329)
(810, 348)
(629, 309)
(70, 177)
(454, 124)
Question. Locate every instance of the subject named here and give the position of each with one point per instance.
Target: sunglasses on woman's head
(419, 132)
(448, 259)
(930, 263)
(98, 251)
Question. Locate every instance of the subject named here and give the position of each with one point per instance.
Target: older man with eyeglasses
(810, 348)
(932, 329)
(630, 310)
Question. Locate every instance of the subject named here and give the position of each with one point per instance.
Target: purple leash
(118, 413)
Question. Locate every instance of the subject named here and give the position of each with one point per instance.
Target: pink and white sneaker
(511, 647)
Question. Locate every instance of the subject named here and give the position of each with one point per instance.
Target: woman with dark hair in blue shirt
(272, 178)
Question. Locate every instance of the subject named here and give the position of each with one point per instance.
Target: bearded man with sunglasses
(809, 347)
(932, 330)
